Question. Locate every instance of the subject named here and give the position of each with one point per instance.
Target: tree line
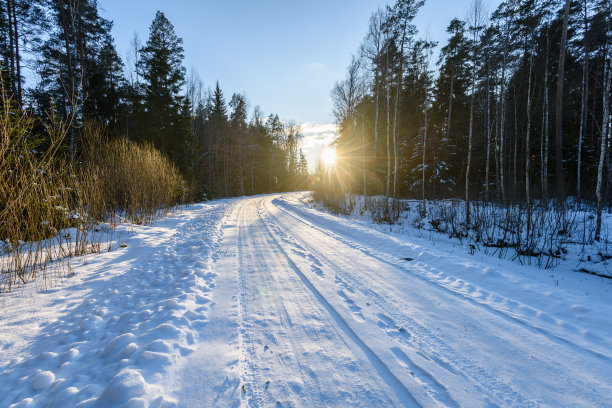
(516, 109)
(74, 71)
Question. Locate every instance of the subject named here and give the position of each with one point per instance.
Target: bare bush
(494, 229)
(50, 208)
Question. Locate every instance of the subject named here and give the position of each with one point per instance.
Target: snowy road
(265, 301)
(329, 314)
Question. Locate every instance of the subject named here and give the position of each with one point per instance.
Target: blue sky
(285, 55)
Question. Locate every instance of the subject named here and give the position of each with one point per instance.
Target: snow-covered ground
(266, 301)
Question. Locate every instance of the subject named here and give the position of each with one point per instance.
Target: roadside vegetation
(53, 208)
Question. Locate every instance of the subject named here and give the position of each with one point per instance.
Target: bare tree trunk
(542, 152)
(9, 13)
(604, 141)
(71, 103)
(388, 96)
(559, 106)
(527, 151)
(388, 148)
(585, 93)
(363, 150)
(545, 125)
(469, 158)
(450, 107)
(398, 90)
(270, 171)
(17, 56)
(502, 126)
(476, 14)
(423, 165)
(241, 172)
(496, 155)
(514, 153)
(225, 166)
(252, 176)
(488, 122)
(376, 109)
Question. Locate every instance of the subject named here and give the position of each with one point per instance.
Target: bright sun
(328, 156)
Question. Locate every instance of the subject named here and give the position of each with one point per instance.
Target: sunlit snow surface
(266, 301)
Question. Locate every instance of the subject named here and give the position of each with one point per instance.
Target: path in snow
(119, 323)
(263, 302)
(333, 315)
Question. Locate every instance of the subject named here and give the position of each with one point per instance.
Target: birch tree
(559, 105)
(476, 19)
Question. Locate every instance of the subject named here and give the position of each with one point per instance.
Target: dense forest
(75, 72)
(515, 110)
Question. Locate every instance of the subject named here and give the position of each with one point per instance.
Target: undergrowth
(51, 207)
(494, 229)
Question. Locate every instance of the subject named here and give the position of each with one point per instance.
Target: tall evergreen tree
(451, 105)
(166, 116)
(78, 65)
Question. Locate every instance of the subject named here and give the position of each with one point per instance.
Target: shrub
(50, 206)
(132, 178)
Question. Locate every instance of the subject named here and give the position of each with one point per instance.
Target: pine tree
(166, 119)
(217, 132)
(451, 103)
(238, 140)
(74, 64)
(22, 23)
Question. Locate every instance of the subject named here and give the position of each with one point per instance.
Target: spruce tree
(166, 116)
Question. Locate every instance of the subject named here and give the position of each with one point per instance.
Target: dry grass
(133, 179)
(50, 207)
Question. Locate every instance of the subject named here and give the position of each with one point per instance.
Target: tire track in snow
(250, 373)
(280, 341)
(404, 395)
(436, 393)
(289, 336)
(467, 296)
(422, 338)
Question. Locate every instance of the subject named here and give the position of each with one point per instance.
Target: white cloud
(316, 137)
(314, 66)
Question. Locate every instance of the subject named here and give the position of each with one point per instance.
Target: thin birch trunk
(527, 151)
(546, 118)
(377, 96)
(388, 147)
(17, 57)
(469, 159)
(502, 126)
(397, 99)
(559, 106)
(9, 13)
(542, 153)
(363, 150)
(496, 155)
(387, 91)
(476, 10)
(423, 166)
(585, 93)
(604, 141)
(516, 133)
(450, 107)
(488, 122)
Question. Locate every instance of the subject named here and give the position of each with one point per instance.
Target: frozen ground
(265, 301)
